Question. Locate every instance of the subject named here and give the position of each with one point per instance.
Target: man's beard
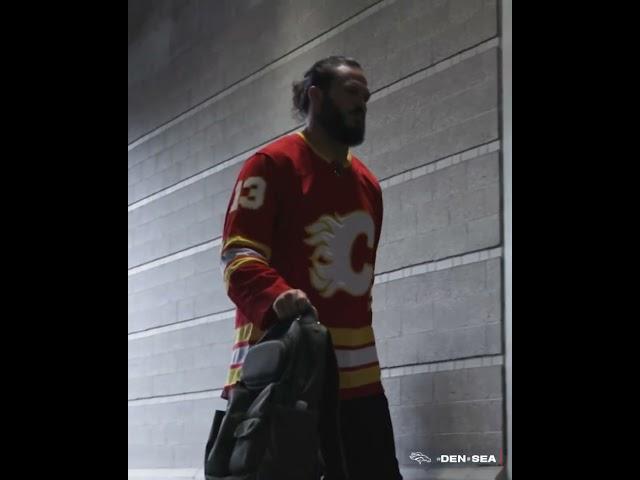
(334, 123)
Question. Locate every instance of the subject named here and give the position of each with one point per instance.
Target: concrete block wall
(209, 83)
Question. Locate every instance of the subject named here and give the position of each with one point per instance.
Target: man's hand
(291, 303)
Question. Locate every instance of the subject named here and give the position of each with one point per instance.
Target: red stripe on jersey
(359, 367)
(363, 391)
(355, 348)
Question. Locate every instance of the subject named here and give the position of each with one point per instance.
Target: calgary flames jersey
(293, 222)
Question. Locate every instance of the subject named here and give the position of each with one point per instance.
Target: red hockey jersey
(293, 222)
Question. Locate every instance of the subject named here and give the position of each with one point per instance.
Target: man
(301, 231)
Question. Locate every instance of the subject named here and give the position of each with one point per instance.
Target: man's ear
(315, 98)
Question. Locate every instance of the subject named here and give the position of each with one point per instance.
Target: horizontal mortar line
(172, 257)
(389, 276)
(206, 172)
(167, 473)
(439, 264)
(440, 66)
(410, 271)
(191, 322)
(397, 179)
(305, 47)
(474, 400)
(450, 156)
(380, 93)
(197, 473)
(175, 397)
(471, 433)
(444, 365)
(440, 164)
(387, 372)
(475, 361)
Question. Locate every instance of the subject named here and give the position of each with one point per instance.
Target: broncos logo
(333, 236)
(419, 457)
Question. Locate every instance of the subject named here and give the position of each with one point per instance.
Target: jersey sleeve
(252, 284)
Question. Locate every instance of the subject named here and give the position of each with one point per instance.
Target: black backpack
(282, 419)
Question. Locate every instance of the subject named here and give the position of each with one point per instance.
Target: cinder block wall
(209, 83)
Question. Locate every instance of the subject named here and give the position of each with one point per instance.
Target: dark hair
(320, 75)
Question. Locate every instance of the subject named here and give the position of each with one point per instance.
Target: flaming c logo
(333, 237)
